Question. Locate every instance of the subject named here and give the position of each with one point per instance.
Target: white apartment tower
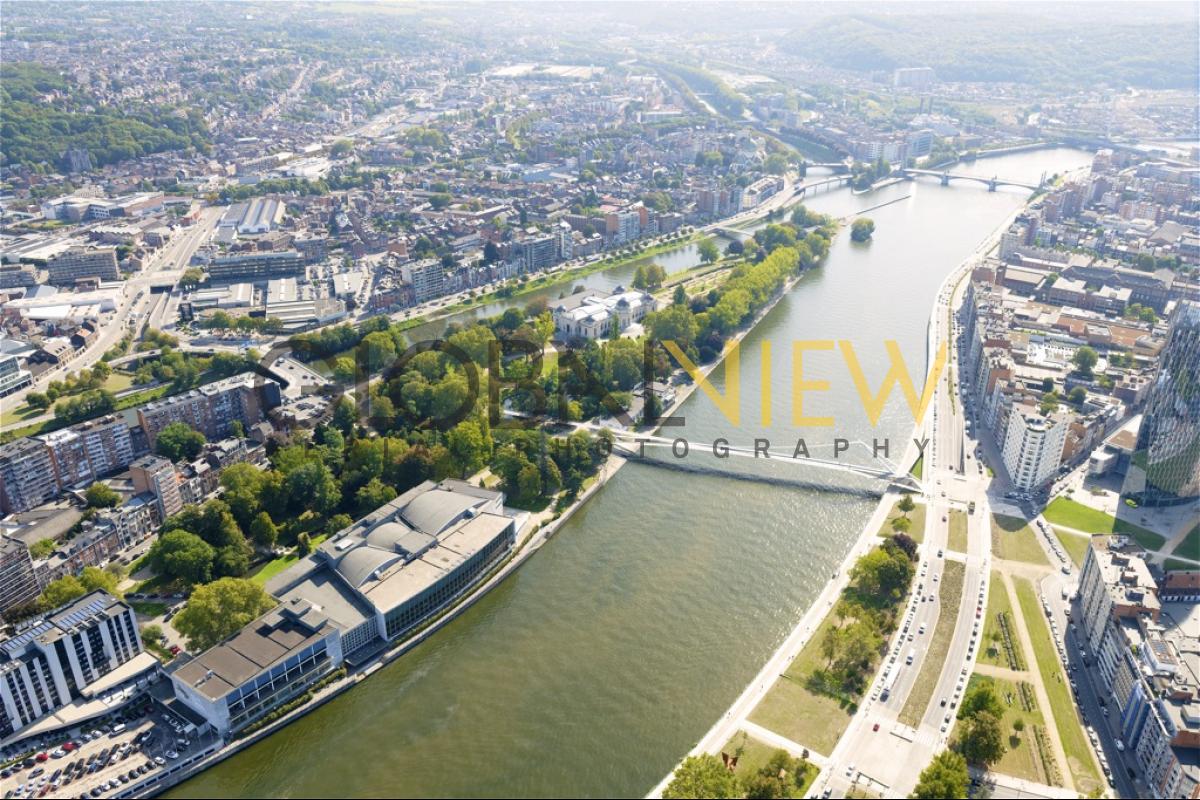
(1033, 447)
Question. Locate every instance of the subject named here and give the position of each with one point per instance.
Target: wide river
(600, 662)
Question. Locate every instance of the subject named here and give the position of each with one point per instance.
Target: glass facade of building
(1168, 446)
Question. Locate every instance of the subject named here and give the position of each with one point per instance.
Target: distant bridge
(991, 183)
(836, 166)
(634, 444)
(835, 180)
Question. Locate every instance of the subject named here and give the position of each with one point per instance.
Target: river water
(600, 662)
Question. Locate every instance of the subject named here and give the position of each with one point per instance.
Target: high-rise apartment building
(212, 408)
(159, 477)
(1033, 447)
(18, 585)
(53, 661)
(26, 476)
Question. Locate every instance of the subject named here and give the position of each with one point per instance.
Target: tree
(782, 776)
(981, 740)
(980, 697)
(468, 446)
(862, 229)
(529, 482)
(702, 776)
(1085, 359)
(901, 524)
(263, 531)
(69, 587)
(219, 609)
(184, 556)
(907, 544)
(376, 351)
(101, 495)
(243, 488)
(304, 544)
(153, 633)
(178, 441)
(232, 561)
(709, 254)
(344, 415)
(212, 522)
(371, 495)
(191, 278)
(1049, 403)
(906, 504)
(343, 370)
(945, 777)
(62, 591)
(312, 486)
(882, 574)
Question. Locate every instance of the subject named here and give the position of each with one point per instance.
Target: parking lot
(102, 761)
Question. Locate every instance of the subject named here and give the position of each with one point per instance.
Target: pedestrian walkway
(1034, 676)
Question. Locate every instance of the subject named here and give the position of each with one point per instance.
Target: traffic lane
(953, 680)
(1092, 699)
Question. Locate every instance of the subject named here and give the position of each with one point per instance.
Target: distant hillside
(1042, 49)
(42, 115)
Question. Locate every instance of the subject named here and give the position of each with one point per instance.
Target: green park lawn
(1076, 544)
(1073, 514)
(791, 710)
(1013, 540)
(147, 608)
(278, 565)
(958, 530)
(1020, 757)
(993, 651)
(1190, 546)
(1062, 705)
(949, 599)
(917, 516)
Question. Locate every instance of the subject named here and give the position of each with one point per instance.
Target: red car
(174, 650)
(875, 727)
(42, 757)
(69, 746)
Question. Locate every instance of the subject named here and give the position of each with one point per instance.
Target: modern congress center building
(369, 585)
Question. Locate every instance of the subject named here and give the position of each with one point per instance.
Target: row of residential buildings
(1029, 313)
(1143, 633)
(35, 470)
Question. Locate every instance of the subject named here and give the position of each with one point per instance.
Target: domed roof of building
(433, 511)
(363, 563)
